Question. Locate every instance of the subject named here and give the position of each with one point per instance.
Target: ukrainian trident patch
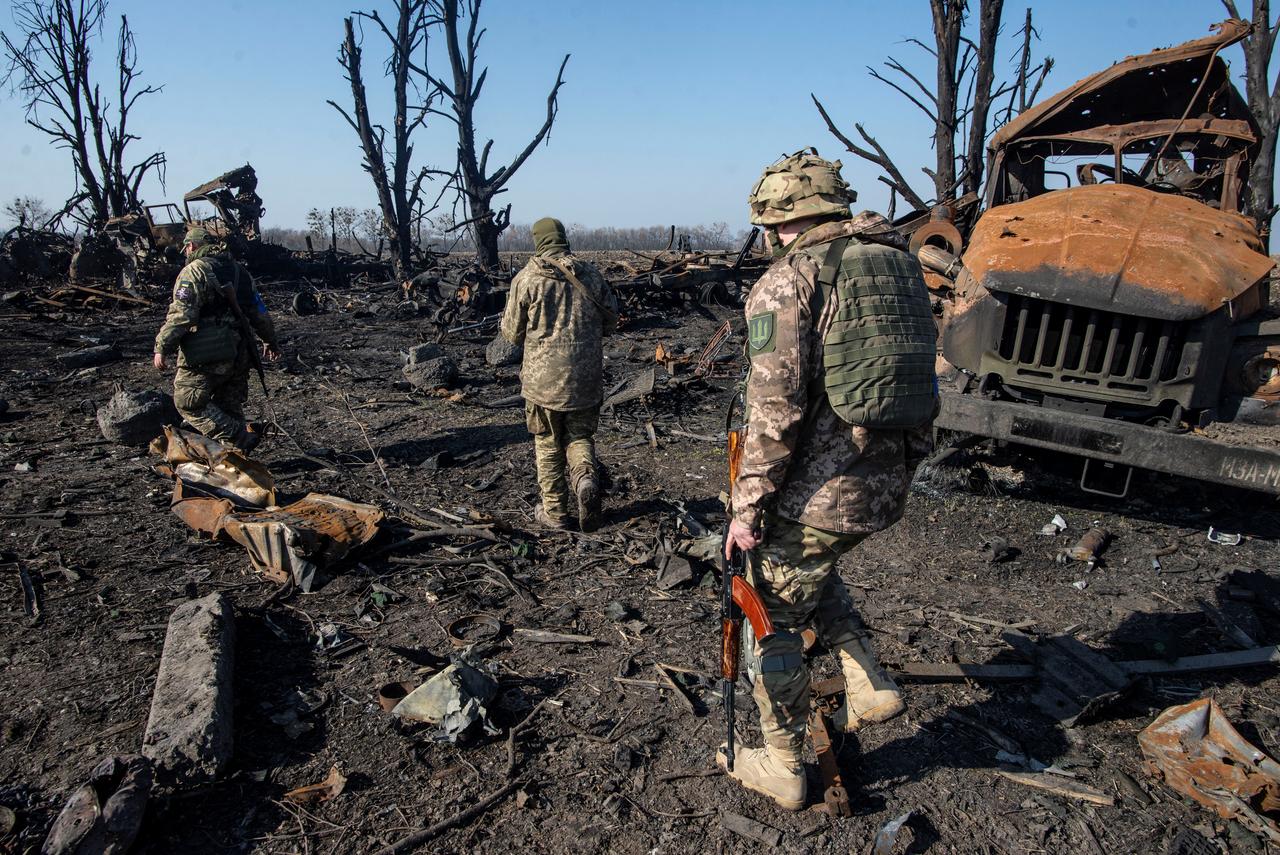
(760, 330)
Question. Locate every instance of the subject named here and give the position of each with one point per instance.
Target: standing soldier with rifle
(215, 312)
(840, 399)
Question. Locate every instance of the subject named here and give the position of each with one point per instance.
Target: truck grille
(1069, 346)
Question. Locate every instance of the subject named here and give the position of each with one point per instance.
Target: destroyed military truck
(1112, 300)
(151, 240)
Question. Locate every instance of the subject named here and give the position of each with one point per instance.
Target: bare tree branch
(879, 157)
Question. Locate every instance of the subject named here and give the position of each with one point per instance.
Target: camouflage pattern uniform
(561, 327)
(211, 395)
(812, 484)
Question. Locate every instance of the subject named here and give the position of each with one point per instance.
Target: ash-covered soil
(613, 760)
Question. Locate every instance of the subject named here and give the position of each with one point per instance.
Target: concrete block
(136, 418)
(501, 353)
(189, 731)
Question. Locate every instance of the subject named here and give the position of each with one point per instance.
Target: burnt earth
(593, 764)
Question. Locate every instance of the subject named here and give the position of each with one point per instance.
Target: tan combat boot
(871, 696)
(773, 772)
(588, 492)
(555, 524)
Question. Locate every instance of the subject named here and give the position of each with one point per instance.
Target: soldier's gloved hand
(270, 353)
(158, 361)
(739, 537)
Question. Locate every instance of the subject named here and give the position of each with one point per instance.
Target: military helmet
(797, 186)
(196, 236)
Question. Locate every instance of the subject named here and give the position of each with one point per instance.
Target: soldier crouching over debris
(559, 308)
(840, 398)
(214, 304)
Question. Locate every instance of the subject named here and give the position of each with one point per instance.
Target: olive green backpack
(879, 352)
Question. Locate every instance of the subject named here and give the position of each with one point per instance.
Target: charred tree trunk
(983, 80)
(398, 194)
(1264, 102)
(948, 18)
(51, 66)
(476, 185)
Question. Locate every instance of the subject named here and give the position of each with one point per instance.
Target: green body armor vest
(879, 353)
(216, 337)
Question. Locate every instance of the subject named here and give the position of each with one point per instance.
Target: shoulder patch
(760, 333)
(182, 292)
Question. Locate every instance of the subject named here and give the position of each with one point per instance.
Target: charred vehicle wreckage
(1112, 300)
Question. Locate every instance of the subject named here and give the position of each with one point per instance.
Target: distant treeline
(357, 231)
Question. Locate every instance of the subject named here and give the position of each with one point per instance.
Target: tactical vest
(879, 352)
(216, 337)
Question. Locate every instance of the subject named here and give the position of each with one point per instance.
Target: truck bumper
(1113, 441)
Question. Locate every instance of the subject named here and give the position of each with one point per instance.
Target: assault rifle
(250, 340)
(737, 597)
(488, 321)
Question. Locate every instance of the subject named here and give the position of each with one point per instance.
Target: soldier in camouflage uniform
(840, 399)
(559, 308)
(212, 381)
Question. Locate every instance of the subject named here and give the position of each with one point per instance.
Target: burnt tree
(389, 165)
(476, 186)
(50, 62)
(1264, 102)
(959, 104)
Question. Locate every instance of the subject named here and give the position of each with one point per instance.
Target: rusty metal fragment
(103, 815)
(825, 699)
(205, 468)
(295, 541)
(1195, 749)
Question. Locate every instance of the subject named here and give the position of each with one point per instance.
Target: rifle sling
(583, 290)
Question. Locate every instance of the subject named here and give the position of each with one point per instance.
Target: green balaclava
(549, 237)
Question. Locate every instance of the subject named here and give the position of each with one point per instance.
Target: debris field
(1037, 630)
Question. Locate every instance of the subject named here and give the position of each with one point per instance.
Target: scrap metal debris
(219, 492)
(1195, 750)
(104, 813)
(453, 700)
(205, 468)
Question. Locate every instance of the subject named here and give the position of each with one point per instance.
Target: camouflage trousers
(794, 569)
(212, 399)
(564, 451)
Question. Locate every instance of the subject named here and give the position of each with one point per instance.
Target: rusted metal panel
(1197, 752)
(294, 541)
(1132, 71)
(1117, 247)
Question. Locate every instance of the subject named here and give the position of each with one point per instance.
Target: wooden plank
(1226, 626)
(1059, 786)
(1207, 662)
(924, 672)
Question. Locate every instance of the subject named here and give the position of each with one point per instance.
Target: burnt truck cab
(1113, 301)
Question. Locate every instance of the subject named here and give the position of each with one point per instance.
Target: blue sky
(669, 112)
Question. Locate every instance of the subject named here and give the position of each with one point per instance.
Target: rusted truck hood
(1118, 248)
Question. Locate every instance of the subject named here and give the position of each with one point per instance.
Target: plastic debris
(1054, 526)
(888, 835)
(1223, 538)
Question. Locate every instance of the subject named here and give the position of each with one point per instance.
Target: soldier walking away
(560, 308)
(840, 398)
(209, 335)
